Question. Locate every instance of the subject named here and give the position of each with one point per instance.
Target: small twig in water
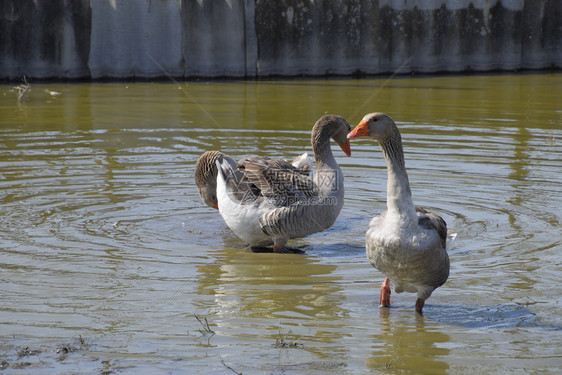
(22, 90)
(282, 341)
(230, 368)
(26, 352)
(392, 363)
(205, 324)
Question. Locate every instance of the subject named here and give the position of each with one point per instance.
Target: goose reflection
(268, 286)
(409, 346)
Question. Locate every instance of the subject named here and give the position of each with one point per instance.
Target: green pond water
(110, 263)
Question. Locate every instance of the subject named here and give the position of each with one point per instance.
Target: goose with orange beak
(406, 243)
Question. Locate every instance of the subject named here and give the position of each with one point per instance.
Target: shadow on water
(329, 243)
(497, 316)
(335, 250)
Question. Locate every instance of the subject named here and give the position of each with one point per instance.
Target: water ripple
(104, 235)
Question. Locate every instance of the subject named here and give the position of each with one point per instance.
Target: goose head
(375, 125)
(331, 126)
(206, 177)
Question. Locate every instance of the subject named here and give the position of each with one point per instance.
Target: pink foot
(384, 300)
(419, 304)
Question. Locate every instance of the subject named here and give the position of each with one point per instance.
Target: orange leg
(384, 300)
(419, 304)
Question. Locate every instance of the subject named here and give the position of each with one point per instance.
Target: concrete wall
(251, 38)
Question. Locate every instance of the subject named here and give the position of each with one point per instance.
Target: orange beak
(216, 206)
(346, 147)
(360, 130)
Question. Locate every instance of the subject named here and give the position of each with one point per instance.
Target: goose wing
(277, 180)
(429, 220)
(285, 222)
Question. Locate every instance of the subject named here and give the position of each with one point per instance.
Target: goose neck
(322, 150)
(398, 194)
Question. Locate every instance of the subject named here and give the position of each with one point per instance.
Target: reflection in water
(270, 286)
(520, 164)
(294, 302)
(410, 345)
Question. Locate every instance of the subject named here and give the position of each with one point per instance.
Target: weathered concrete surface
(44, 39)
(250, 38)
(410, 36)
(135, 39)
(214, 36)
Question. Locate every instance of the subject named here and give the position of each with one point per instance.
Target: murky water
(107, 255)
